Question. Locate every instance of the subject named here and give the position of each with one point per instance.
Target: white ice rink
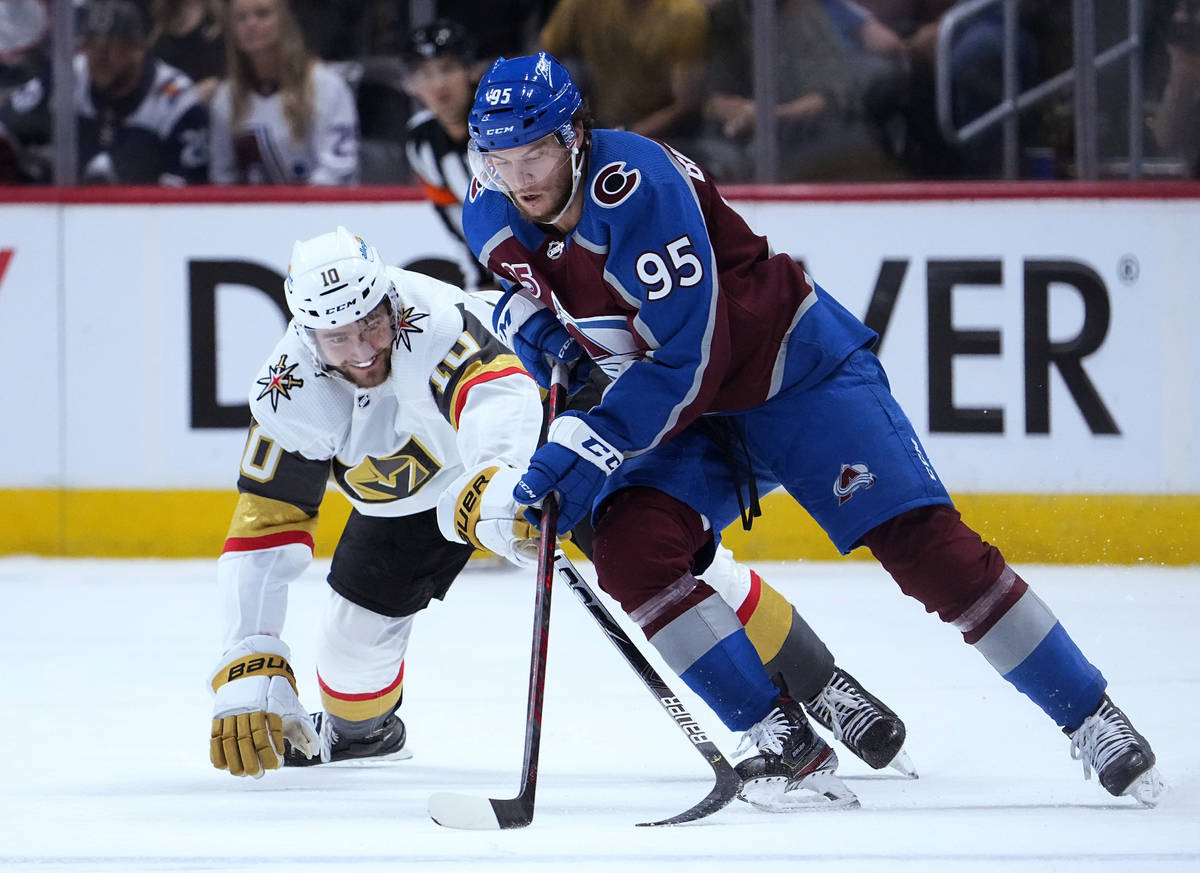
(106, 717)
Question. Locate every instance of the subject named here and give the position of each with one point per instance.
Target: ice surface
(106, 718)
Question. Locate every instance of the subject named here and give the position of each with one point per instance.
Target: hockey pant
(865, 478)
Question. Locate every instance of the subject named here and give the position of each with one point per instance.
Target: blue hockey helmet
(521, 100)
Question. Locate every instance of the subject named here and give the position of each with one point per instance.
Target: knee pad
(936, 559)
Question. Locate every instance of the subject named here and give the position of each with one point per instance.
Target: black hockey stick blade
(728, 782)
(469, 812)
(722, 794)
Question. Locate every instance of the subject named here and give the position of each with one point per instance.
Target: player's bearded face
(537, 176)
(362, 351)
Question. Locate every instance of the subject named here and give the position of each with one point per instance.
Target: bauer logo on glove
(478, 509)
(273, 665)
(255, 709)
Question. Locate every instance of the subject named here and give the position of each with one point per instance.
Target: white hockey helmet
(335, 279)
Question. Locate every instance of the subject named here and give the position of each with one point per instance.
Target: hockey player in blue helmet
(529, 143)
(526, 108)
(627, 246)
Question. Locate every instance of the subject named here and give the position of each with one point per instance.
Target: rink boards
(1041, 339)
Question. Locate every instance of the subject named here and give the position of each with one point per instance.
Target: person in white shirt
(281, 117)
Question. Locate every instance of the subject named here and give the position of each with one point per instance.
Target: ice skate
(862, 723)
(1124, 762)
(386, 742)
(794, 768)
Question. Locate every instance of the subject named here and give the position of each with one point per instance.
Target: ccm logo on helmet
(497, 131)
(340, 307)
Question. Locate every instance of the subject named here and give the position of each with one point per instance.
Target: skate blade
(817, 791)
(1148, 789)
(398, 755)
(903, 765)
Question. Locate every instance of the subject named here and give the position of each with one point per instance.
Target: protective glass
(355, 341)
(515, 169)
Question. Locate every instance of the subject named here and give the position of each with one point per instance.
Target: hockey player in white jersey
(387, 382)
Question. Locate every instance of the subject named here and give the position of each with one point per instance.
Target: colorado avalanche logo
(852, 477)
(612, 185)
(475, 190)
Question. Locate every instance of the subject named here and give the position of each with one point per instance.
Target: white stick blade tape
(465, 811)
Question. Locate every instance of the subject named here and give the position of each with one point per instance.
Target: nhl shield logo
(555, 249)
(852, 477)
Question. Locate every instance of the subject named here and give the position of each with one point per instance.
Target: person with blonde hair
(281, 117)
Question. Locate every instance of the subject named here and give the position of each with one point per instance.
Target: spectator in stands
(1177, 121)
(138, 118)
(441, 74)
(23, 28)
(187, 35)
(282, 117)
(641, 62)
(976, 75)
(828, 73)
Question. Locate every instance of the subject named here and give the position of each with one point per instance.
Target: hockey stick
(728, 781)
(477, 813)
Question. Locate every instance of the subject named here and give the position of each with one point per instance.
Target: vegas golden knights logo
(382, 480)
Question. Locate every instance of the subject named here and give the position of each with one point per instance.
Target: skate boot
(794, 768)
(1107, 743)
(386, 741)
(861, 722)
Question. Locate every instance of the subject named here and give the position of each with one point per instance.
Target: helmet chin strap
(576, 170)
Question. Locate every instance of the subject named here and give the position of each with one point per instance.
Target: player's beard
(370, 377)
(559, 191)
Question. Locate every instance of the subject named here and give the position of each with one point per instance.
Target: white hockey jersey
(261, 150)
(456, 399)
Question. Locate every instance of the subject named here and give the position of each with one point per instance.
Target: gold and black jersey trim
(262, 523)
(269, 471)
(476, 357)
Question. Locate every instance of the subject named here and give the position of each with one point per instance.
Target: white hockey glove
(478, 509)
(256, 709)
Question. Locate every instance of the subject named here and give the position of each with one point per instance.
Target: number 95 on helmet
(519, 101)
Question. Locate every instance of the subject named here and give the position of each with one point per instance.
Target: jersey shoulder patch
(303, 409)
(614, 183)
